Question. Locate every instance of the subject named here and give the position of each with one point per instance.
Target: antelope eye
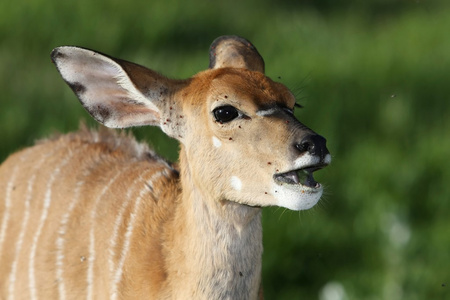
(224, 114)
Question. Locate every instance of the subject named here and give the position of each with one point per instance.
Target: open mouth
(302, 177)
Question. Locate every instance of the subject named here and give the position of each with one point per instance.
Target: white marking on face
(236, 183)
(299, 197)
(267, 112)
(296, 197)
(216, 142)
(305, 160)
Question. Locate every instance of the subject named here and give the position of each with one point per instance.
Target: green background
(373, 76)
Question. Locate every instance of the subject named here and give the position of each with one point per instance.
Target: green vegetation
(374, 77)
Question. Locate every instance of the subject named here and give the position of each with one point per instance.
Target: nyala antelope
(96, 215)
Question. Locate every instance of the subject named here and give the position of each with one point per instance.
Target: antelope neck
(219, 244)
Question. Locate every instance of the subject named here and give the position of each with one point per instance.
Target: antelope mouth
(300, 177)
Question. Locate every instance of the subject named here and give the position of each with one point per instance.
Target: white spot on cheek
(236, 183)
(216, 142)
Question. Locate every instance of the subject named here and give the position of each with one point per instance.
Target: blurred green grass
(373, 77)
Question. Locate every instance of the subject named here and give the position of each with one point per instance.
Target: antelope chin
(297, 189)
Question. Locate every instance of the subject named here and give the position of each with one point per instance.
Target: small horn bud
(235, 52)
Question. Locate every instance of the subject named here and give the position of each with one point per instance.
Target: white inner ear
(111, 69)
(133, 93)
(104, 84)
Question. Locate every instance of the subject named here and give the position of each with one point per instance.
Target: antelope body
(97, 215)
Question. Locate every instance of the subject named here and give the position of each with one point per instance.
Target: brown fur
(97, 215)
(94, 158)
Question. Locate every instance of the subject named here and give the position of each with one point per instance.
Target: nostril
(306, 145)
(313, 144)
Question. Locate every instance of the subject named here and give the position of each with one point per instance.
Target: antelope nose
(314, 144)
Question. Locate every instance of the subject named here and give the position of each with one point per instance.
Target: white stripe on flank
(117, 273)
(45, 209)
(117, 223)
(23, 227)
(60, 241)
(91, 258)
(6, 215)
(12, 275)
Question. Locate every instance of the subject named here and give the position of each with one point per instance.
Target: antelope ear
(116, 93)
(236, 52)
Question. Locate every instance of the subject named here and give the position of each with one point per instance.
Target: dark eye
(224, 114)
